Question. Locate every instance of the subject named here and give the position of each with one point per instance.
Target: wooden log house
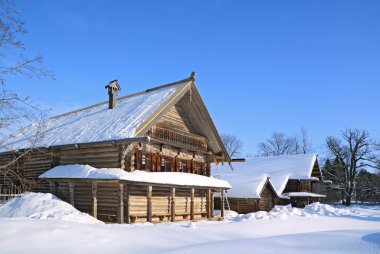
(163, 129)
(260, 183)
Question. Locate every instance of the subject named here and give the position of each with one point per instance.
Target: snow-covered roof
(303, 195)
(248, 178)
(95, 123)
(77, 171)
(245, 187)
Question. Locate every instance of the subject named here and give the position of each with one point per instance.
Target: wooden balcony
(178, 138)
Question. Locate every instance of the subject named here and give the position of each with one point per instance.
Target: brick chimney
(113, 89)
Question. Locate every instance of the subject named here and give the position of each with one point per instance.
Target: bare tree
(12, 49)
(233, 144)
(277, 144)
(16, 111)
(280, 144)
(352, 153)
(304, 141)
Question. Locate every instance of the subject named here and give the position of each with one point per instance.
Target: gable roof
(133, 116)
(248, 178)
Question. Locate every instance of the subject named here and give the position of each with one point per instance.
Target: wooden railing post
(53, 188)
(208, 204)
(172, 205)
(192, 217)
(71, 191)
(94, 199)
(222, 204)
(149, 203)
(120, 215)
(127, 205)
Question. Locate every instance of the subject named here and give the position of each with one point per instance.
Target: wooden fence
(8, 192)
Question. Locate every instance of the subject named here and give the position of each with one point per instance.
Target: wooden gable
(316, 172)
(177, 119)
(186, 113)
(267, 198)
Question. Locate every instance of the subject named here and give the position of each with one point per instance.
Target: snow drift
(312, 210)
(44, 206)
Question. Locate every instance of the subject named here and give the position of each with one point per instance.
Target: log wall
(106, 156)
(137, 204)
(248, 205)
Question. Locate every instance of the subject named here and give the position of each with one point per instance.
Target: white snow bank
(95, 123)
(174, 178)
(334, 242)
(227, 214)
(248, 177)
(312, 210)
(44, 206)
(228, 236)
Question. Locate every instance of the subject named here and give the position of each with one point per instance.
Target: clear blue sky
(262, 66)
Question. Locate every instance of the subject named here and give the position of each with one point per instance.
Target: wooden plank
(208, 204)
(71, 191)
(154, 162)
(149, 203)
(222, 197)
(94, 204)
(120, 212)
(192, 204)
(53, 188)
(172, 205)
(127, 204)
(172, 164)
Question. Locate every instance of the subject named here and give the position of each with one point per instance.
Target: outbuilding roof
(248, 178)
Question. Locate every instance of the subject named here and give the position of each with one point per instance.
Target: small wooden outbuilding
(264, 199)
(294, 179)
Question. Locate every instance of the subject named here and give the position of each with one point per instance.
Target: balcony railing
(176, 137)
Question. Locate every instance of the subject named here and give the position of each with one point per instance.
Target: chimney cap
(113, 86)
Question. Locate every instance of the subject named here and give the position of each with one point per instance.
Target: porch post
(120, 210)
(208, 204)
(127, 204)
(192, 204)
(71, 191)
(172, 205)
(222, 204)
(149, 203)
(53, 188)
(94, 199)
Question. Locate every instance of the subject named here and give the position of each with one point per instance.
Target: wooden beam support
(71, 191)
(192, 204)
(94, 199)
(208, 204)
(212, 204)
(127, 204)
(149, 203)
(222, 197)
(53, 188)
(120, 210)
(172, 205)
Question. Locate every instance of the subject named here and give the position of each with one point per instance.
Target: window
(146, 162)
(143, 162)
(165, 164)
(197, 169)
(183, 166)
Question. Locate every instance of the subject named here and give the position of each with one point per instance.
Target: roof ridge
(124, 97)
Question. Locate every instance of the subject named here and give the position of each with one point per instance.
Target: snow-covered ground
(38, 224)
